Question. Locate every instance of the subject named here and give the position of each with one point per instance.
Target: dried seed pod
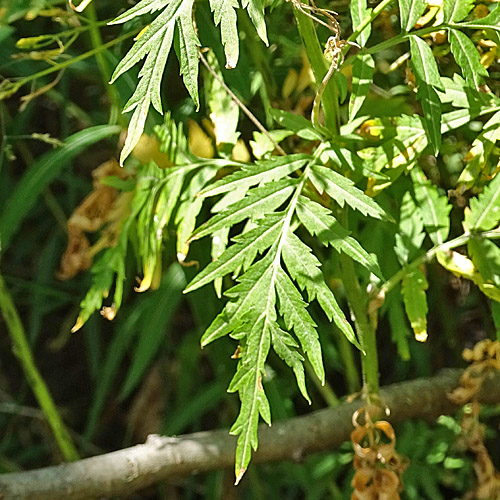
(378, 466)
(484, 357)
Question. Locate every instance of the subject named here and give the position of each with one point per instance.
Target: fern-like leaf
(319, 222)
(225, 15)
(304, 268)
(242, 253)
(428, 80)
(251, 174)
(259, 201)
(154, 44)
(467, 57)
(293, 309)
(276, 267)
(484, 213)
(342, 190)
(434, 207)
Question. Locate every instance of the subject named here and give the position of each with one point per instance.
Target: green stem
(358, 303)
(387, 44)
(69, 62)
(22, 350)
(96, 39)
(374, 13)
(49, 198)
(350, 370)
(428, 256)
(326, 391)
(319, 67)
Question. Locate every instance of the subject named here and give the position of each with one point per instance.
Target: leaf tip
(239, 475)
(421, 336)
(79, 323)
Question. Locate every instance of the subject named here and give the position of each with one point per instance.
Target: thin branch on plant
(22, 350)
(122, 472)
(243, 108)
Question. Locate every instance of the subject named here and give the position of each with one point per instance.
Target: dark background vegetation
(111, 396)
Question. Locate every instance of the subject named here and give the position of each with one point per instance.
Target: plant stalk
(68, 62)
(358, 303)
(21, 349)
(374, 13)
(430, 254)
(320, 67)
(96, 39)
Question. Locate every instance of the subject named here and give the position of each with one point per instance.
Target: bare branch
(160, 458)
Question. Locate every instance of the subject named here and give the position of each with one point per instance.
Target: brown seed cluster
(484, 357)
(378, 466)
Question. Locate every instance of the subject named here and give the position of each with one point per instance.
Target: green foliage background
(411, 149)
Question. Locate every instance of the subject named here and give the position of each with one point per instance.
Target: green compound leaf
(319, 222)
(154, 44)
(410, 11)
(467, 58)
(251, 174)
(363, 68)
(293, 309)
(484, 213)
(242, 253)
(415, 300)
(258, 202)
(342, 190)
(434, 207)
(304, 268)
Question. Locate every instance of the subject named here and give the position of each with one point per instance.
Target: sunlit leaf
(359, 12)
(363, 68)
(467, 57)
(456, 10)
(410, 235)
(434, 207)
(415, 300)
(428, 80)
(484, 213)
(410, 12)
(342, 190)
